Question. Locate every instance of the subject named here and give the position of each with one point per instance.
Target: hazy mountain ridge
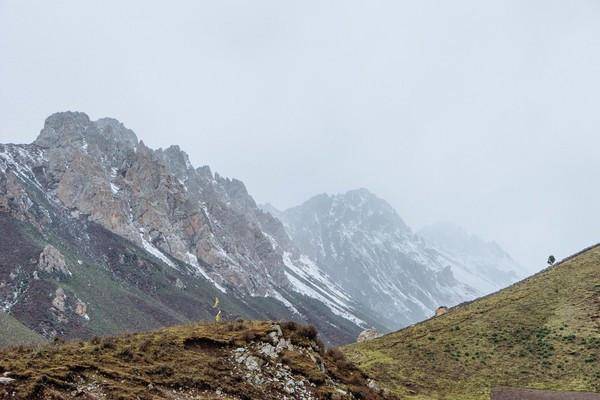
(484, 265)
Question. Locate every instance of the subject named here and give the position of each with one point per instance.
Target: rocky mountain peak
(350, 212)
(63, 128)
(75, 129)
(114, 131)
(372, 211)
(176, 160)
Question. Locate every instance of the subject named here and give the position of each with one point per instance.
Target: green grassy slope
(543, 332)
(12, 332)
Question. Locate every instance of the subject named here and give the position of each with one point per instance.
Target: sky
(484, 114)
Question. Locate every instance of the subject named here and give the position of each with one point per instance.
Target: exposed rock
(5, 380)
(277, 330)
(441, 310)
(59, 300)
(253, 363)
(179, 284)
(51, 260)
(372, 384)
(81, 309)
(159, 201)
(367, 334)
(269, 350)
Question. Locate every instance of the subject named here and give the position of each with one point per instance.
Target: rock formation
(51, 260)
(368, 334)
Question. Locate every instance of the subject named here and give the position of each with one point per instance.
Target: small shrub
(335, 354)
(57, 341)
(108, 343)
(126, 354)
(308, 331)
(144, 345)
(161, 370)
(289, 325)
(320, 346)
(239, 325)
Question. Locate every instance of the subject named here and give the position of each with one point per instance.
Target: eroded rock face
(157, 199)
(52, 261)
(59, 300)
(81, 308)
(367, 334)
(441, 310)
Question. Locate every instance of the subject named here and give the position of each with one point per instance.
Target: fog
(480, 113)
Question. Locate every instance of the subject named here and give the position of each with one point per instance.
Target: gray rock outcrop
(367, 334)
(52, 261)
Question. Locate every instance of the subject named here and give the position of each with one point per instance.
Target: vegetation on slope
(543, 332)
(234, 360)
(14, 332)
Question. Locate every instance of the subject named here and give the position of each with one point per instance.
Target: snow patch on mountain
(300, 274)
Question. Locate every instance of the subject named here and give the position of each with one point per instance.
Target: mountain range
(102, 234)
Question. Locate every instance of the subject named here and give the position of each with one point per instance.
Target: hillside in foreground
(13, 332)
(234, 360)
(543, 332)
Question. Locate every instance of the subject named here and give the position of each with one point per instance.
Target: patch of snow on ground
(157, 253)
(304, 289)
(299, 279)
(278, 296)
(193, 261)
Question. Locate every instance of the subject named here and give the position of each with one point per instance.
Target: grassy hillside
(12, 332)
(543, 332)
(235, 360)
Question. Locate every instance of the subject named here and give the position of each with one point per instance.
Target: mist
(479, 113)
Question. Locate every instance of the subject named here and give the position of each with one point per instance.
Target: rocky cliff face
(158, 200)
(80, 175)
(372, 254)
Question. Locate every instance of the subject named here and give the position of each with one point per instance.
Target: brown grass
(193, 359)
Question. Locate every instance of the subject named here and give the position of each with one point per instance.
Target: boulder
(52, 261)
(367, 334)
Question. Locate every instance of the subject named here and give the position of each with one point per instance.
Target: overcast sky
(485, 114)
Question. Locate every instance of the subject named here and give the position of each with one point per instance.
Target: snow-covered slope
(368, 251)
